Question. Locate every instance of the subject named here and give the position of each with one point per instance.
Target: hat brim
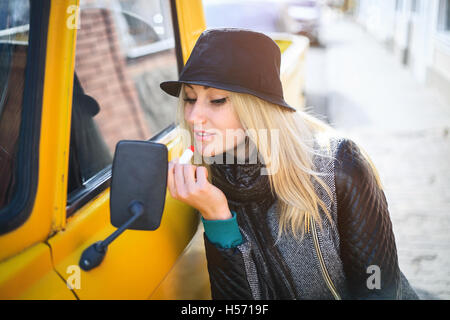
(173, 88)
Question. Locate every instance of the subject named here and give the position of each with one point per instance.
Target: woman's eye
(219, 101)
(189, 100)
(216, 101)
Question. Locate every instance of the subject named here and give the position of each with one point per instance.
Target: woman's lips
(203, 136)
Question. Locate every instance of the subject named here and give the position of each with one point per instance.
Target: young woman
(307, 217)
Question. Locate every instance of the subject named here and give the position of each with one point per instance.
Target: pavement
(358, 86)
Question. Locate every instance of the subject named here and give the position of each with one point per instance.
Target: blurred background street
(356, 84)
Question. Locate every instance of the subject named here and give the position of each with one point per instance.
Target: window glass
(415, 6)
(447, 16)
(399, 5)
(14, 27)
(124, 50)
(444, 16)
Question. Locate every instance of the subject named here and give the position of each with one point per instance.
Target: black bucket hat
(235, 60)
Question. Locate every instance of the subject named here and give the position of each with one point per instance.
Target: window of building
(149, 32)
(415, 6)
(444, 16)
(398, 5)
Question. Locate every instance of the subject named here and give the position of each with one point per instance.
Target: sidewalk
(404, 126)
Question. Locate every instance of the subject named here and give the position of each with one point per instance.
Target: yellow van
(76, 78)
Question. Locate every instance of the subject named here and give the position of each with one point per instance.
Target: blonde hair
(292, 181)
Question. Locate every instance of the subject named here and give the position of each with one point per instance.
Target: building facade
(417, 32)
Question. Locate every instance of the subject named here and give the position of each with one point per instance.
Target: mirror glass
(139, 173)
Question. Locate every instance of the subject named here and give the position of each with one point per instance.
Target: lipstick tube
(187, 155)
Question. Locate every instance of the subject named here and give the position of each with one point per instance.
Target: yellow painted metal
(30, 275)
(292, 71)
(191, 22)
(48, 213)
(58, 106)
(189, 278)
(283, 44)
(137, 261)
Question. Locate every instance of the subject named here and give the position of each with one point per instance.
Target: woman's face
(212, 120)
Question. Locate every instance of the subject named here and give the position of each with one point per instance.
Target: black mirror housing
(139, 173)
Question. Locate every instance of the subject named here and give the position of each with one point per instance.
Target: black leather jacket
(261, 269)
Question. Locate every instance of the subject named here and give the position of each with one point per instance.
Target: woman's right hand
(188, 183)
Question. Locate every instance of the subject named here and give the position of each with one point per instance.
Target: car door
(26, 209)
(123, 51)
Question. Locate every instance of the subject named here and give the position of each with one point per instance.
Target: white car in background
(290, 16)
(304, 17)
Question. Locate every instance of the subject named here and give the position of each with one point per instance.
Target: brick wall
(101, 68)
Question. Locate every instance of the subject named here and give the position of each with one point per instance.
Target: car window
(123, 51)
(14, 27)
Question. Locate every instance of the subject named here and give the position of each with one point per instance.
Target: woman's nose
(195, 114)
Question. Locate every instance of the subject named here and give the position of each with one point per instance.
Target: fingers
(179, 180)
(183, 181)
(202, 175)
(189, 177)
(171, 178)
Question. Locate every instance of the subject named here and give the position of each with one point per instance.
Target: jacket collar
(241, 182)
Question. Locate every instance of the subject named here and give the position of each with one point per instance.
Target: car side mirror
(137, 194)
(139, 173)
